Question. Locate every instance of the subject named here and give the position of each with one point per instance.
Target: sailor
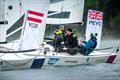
(85, 47)
(70, 39)
(58, 38)
(62, 28)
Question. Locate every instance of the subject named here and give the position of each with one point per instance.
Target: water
(88, 72)
(101, 71)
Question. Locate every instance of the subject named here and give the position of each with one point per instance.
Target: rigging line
(62, 6)
(17, 55)
(116, 48)
(113, 50)
(20, 56)
(12, 45)
(5, 48)
(2, 55)
(6, 53)
(20, 4)
(62, 9)
(24, 62)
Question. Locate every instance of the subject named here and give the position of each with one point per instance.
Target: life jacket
(71, 40)
(70, 37)
(59, 32)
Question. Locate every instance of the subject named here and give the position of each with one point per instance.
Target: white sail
(2, 20)
(14, 11)
(2, 33)
(65, 11)
(94, 25)
(34, 23)
(14, 17)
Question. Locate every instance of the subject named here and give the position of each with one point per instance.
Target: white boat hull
(20, 61)
(61, 60)
(35, 59)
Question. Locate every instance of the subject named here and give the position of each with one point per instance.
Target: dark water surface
(101, 71)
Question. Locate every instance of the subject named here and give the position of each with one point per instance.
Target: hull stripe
(111, 59)
(38, 63)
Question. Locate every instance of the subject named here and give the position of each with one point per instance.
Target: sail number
(33, 25)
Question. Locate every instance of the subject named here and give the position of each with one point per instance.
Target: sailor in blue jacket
(87, 47)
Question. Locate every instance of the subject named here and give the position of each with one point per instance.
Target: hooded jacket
(91, 44)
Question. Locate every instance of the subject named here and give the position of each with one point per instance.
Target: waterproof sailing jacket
(91, 44)
(71, 40)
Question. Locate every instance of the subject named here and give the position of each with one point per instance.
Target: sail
(2, 22)
(94, 24)
(34, 23)
(18, 9)
(65, 11)
(12, 14)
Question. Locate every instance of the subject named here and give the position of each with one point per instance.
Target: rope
(2, 55)
(22, 64)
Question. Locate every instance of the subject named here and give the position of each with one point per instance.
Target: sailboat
(29, 50)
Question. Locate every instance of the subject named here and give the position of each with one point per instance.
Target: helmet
(93, 35)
